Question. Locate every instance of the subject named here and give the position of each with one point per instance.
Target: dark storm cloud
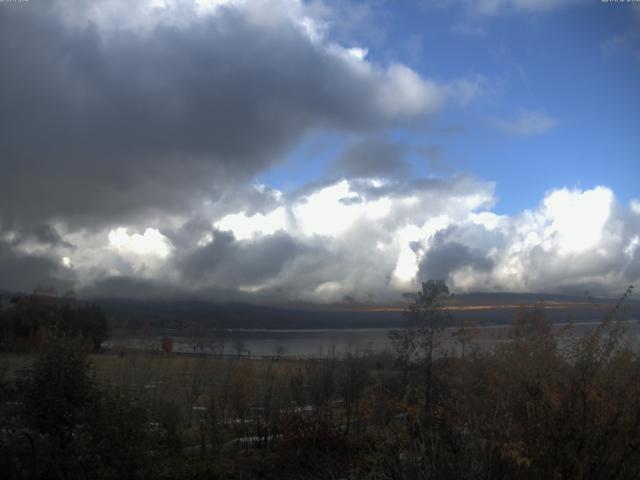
(100, 125)
(48, 235)
(446, 256)
(283, 267)
(22, 272)
(41, 234)
(111, 119)
(280, 266)
(373, 157)
(232, 263)
(249, 199)
(125, 286)
(443, 260)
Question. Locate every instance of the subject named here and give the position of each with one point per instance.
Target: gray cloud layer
(373, 157)
(117, 113)
(447, 254)
(102, 124)
(113, 116)
(24, 272)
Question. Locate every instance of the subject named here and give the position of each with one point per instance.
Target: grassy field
(165, 374)
(190, 383)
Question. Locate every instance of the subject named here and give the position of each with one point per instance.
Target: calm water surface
(322, 342)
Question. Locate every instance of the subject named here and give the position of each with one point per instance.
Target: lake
(313, 343)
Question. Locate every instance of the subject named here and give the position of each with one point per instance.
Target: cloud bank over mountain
(133, 136)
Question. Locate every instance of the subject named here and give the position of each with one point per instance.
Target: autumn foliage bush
(542, 404)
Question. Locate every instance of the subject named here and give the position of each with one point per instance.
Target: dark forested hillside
(482, 308)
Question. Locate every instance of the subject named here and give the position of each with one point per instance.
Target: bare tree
(465, 334)
(352, 383)
(321, 375)
(417, 343)
(218, 340)
(193, 384)
(239, 347)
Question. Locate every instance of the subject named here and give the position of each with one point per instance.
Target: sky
(317, 151)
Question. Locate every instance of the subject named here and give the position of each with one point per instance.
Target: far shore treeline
(29, 320)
